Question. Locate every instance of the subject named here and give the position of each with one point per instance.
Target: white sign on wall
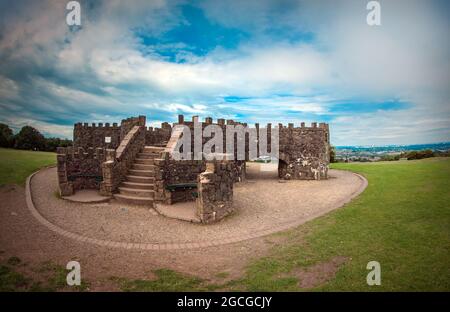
(107, 139)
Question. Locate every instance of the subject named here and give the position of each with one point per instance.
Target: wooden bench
(183, 187)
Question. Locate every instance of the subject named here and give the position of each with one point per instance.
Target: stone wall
(222, 123)
(169, 172)
(304, 152)
(215, 191)
(158, 136)
(79, 169)
(85, 135)
(127, 124)
(239, 169)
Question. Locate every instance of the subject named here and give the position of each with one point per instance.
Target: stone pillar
(215, 191)
(65, 187)
(257, 139)
(109, 182)
(142, 121)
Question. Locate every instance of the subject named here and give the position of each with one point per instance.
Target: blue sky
(253, 61)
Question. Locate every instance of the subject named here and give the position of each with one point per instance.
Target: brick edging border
(172, 246)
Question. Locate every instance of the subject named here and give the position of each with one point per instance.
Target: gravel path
(263, 206)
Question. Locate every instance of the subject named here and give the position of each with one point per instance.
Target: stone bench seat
(181, 186)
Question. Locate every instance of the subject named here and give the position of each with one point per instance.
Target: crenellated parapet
(207, 121)
(304, 150)
(127, 124)
(94, 135)
(103, 152)
(158, 136)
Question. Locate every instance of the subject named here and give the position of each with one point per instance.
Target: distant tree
(442, 153)
(53, 143)
(419, 154)
(426, 154)
(390, 157)
(6, 136)
(332, 154)
(30, 139)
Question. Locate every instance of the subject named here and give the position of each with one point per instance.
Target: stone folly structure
(304, 152)
(136, 165)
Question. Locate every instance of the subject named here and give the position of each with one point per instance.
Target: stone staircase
(138, 187)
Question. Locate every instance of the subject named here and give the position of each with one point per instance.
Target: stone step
(136, 192)
(133, 200)
(140, 179)
(149, 152)
(143, 167)
(155, 149)
(148, 155)
(144, 161)
(138, 185)
(142, 173)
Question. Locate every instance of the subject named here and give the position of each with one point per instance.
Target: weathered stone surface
(120, 161)
(158, 136)
(94, 135)
(303, 151)
(79, 170)
(303, 154)
(215, 191)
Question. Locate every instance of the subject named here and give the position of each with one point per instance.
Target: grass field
(402, 220)
(17, 165)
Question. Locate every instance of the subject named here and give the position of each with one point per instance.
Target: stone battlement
(224, 122)
(86, 125)
(135, 163)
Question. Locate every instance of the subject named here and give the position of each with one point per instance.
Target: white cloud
(49, 129)
(406, 58)
(8, 88)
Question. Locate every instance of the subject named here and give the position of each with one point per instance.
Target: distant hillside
(378, 151)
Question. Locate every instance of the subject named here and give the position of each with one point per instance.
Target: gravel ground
(262, 204)
(23, 236)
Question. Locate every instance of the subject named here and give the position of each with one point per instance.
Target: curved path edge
(183, 245)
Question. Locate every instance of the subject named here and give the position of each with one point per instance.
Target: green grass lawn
(17, 165)
(402, 220)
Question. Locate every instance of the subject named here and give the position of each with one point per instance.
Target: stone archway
(261, 171)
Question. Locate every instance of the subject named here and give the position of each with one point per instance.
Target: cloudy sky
(254, 61)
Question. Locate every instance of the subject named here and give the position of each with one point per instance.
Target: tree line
(416, 155)
(29, 138)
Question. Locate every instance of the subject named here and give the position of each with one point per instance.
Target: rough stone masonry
(109, 158)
